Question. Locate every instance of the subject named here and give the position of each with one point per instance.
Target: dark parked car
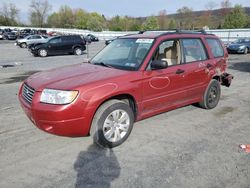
(241, 46)
(10, 36)
(92, 38)
(131, 79)
(60, 45)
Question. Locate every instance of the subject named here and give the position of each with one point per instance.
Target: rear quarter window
(215, 47)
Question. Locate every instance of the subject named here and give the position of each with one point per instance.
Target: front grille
(28, 93)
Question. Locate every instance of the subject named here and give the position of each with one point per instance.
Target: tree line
(40, 15)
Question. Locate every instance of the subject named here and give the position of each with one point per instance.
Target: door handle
(179, 71)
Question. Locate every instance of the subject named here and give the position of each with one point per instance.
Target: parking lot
(187, 147)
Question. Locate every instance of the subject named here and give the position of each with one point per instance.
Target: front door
(164, 88)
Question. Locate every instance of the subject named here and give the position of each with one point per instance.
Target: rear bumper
(226, 79)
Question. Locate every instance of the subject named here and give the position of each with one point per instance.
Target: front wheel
(212, 95)
(246, 51)
(112, 123)
(23, 45)
(42, 53)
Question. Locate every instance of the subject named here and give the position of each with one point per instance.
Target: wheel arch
(217, 77)
(127, 98)
(76, 46)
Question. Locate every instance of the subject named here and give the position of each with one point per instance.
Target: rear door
(197, 65)
(68, 42)
(218, 53)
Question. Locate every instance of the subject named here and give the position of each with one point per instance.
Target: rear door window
(193, 50)
(55, 40)
(215, 47)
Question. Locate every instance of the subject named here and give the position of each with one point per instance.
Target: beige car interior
(172, 54)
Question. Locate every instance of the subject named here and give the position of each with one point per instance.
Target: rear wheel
(42, 52)
(112, 123)
(23, 45)
(211, 96)
(78, 51)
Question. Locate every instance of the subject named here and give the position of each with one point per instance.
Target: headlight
(53, 96)
(241, 47)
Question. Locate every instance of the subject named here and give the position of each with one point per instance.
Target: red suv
(134, 77)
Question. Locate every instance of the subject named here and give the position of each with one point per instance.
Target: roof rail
(202, 31)
(173, 31)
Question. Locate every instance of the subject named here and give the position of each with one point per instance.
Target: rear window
(215, 47)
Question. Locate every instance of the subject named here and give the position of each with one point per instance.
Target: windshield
(125, 54)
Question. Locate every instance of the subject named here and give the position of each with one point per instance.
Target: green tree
(9, 14)
(151, 23)
(67, 18)
(54, 20)
(115, 24)
(81, 19)
(126, 23)
(248, 22)
(95, 22)
(172, 24)
(237, 18)
(135, 25)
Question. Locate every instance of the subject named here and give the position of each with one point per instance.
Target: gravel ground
(187, 147)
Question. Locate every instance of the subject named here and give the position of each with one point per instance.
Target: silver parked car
(31, 39)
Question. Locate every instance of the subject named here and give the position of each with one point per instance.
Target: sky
(135, 8)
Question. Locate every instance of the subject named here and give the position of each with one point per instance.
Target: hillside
(199, 18)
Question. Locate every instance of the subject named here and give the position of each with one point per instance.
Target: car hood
(72, 77)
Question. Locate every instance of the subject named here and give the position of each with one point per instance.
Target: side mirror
(159, 64)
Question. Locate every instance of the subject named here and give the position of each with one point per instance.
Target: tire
(42, 52)
(211, 96)
(77, 51)
(83, 48)
(23, 45)
(112, 123)
(246, 51)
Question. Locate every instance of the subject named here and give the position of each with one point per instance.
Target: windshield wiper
(103, 64)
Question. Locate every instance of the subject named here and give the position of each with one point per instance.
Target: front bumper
(35, 52)
(235, 51)
(12, 38)
(61, 120)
